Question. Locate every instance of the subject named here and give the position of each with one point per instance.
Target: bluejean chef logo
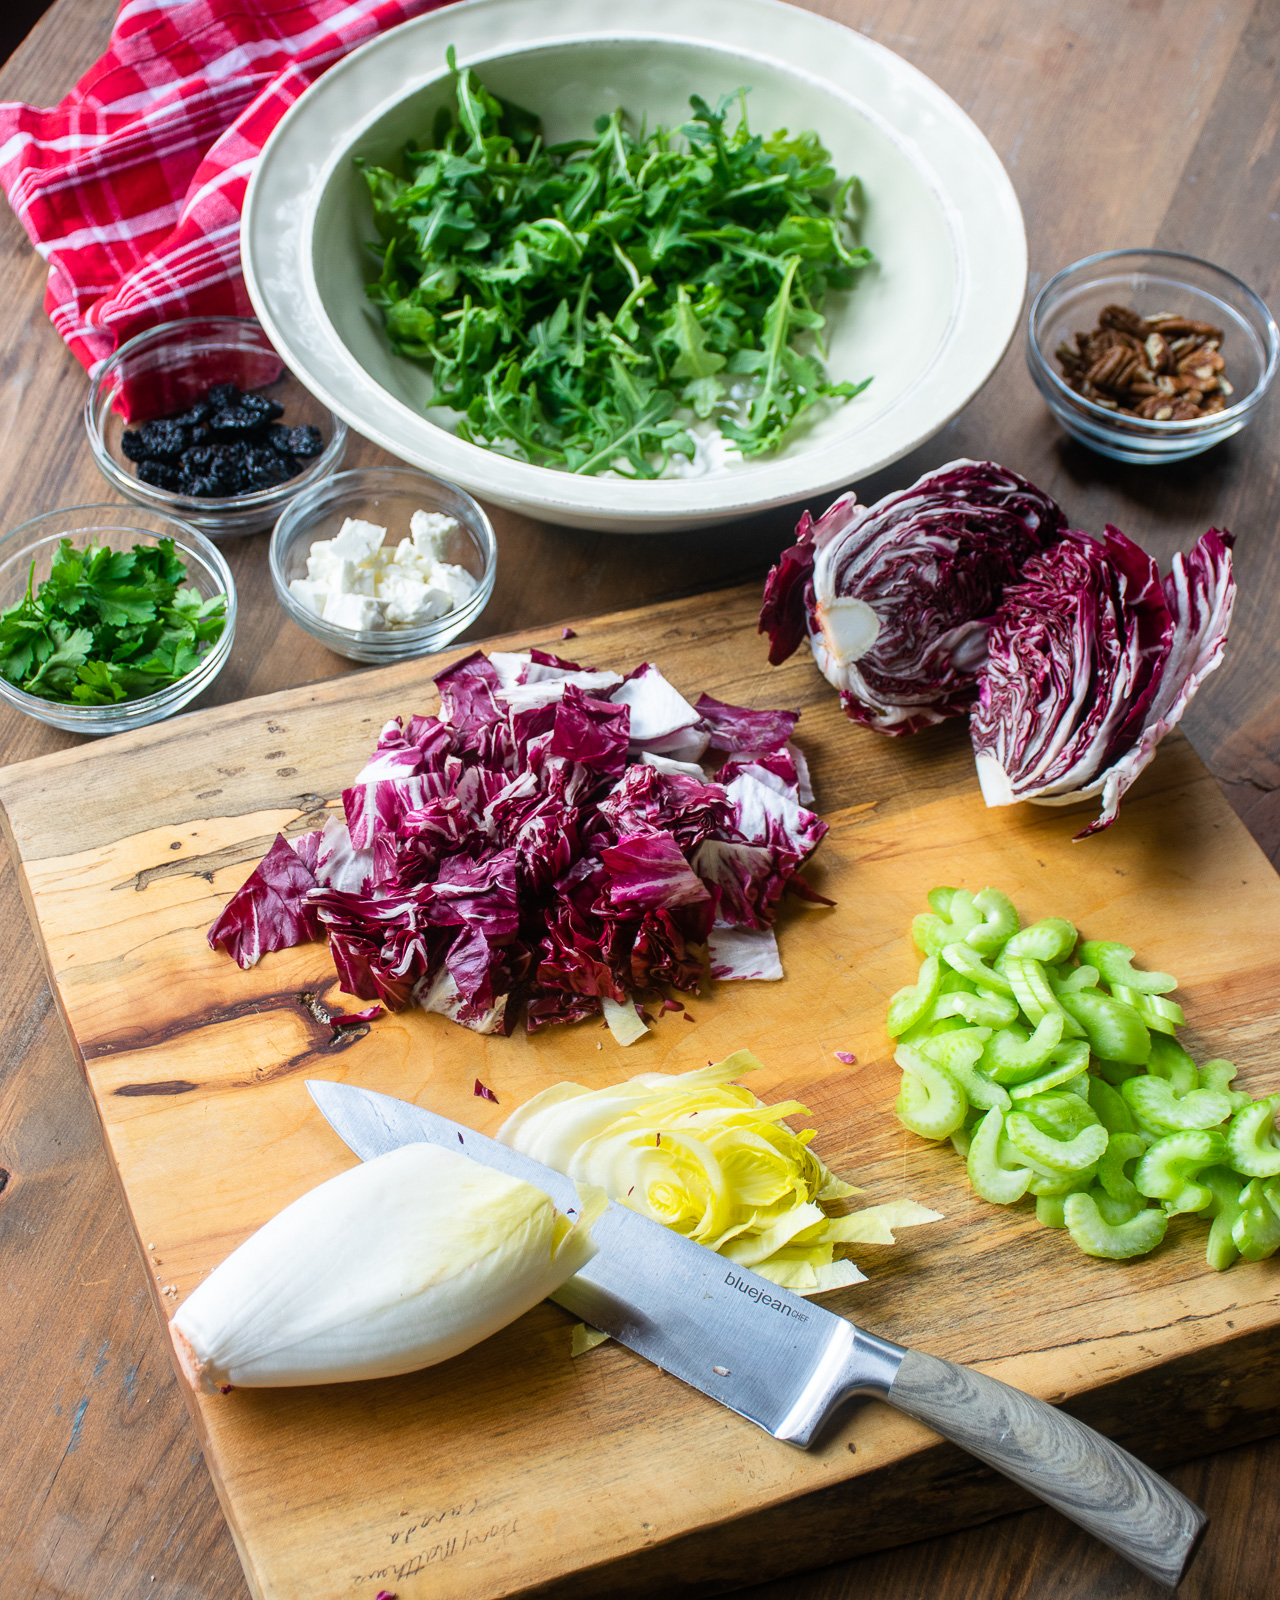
(754, 1292)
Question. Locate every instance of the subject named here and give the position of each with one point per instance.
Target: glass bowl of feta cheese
(383, 563)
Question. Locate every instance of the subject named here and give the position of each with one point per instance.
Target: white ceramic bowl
(929, 321)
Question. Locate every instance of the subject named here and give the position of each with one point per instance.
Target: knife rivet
(722, 1371)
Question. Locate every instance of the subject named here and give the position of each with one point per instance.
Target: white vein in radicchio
(1091, 660)
(533, 844)
(897, 598)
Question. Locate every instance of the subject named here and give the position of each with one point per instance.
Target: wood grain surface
(128, 851)
(1120, 124)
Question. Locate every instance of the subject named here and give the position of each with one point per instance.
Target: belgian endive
(393, 1265)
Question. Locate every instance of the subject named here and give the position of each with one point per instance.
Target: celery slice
(1113, 1030)
(999, 922)
(1256, 1233)
(909, 1005)
(992, 1180)
(1113, 962)
(1052, 939)
(930, 1102)
(1067, 1063)
(1169, 1169)
(1157, 1106)
(1113, 1242)
(1226, 1189)
(969, 964)
(1251, 1140)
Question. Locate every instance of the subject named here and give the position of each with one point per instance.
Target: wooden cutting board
(514, 1469)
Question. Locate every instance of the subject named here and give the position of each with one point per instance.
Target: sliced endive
(708, 1159)
(396, 1264)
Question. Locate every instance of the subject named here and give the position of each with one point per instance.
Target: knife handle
(1077, 1471)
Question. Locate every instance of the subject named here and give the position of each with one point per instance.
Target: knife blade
(788, 1365)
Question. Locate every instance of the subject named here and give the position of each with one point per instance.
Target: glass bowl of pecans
(1150, 356)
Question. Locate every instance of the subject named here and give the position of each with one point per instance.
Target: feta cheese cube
(309, 594)
(430, 531)
(456, 582)
(358, 540)
(358, 611)
(413, 605)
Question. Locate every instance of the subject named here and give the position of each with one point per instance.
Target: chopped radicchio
(897, 598)
(1092, 660)
(271, 910)
(549, 840)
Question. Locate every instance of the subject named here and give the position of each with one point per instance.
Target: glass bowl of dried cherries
(1149, 355)
(200, 419)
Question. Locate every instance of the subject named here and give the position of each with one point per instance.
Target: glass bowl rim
(284, 532)
(217, 652)
(1137, 427)
(321, 466)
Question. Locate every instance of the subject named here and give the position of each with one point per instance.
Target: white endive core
(849, 628)
(396, 1264)
(993, 780)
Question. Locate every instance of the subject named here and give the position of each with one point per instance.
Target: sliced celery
(999, 922)
(930, 1102)
(1011, 1057)
(1158, 1108)
(1052, 939)
(909, 1005)
(990, 1178)
(1122, 1148)
(1113, 962)
(1256, 1233)
(1251, 1139)
(1110, 1107)
(1035, 994)
(969, 964)
(1113, 1030)
(1068, 1062)
(1112, 1241)
(1226, 1189)
(1061, 1155)
(1169, 1169)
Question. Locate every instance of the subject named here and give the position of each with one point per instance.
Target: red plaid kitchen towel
(131, 189)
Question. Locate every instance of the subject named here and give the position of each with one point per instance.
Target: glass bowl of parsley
(110, 617)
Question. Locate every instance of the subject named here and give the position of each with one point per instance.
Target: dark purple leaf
(271, 910)
(591, 732)
(737, 728)
(788, 596)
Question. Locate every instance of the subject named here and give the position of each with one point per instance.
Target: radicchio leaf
(738, 728)
(270, 911)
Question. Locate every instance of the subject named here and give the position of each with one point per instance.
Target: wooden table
(1148, 124)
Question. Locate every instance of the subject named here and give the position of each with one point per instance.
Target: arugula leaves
(572, 301)
(108, 625)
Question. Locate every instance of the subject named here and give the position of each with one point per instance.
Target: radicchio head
(897, 598)
(1092, 660)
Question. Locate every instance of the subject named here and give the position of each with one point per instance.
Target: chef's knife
(787, 1364)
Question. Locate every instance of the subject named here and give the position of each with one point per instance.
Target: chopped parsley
(108, 625)
(579, 303)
